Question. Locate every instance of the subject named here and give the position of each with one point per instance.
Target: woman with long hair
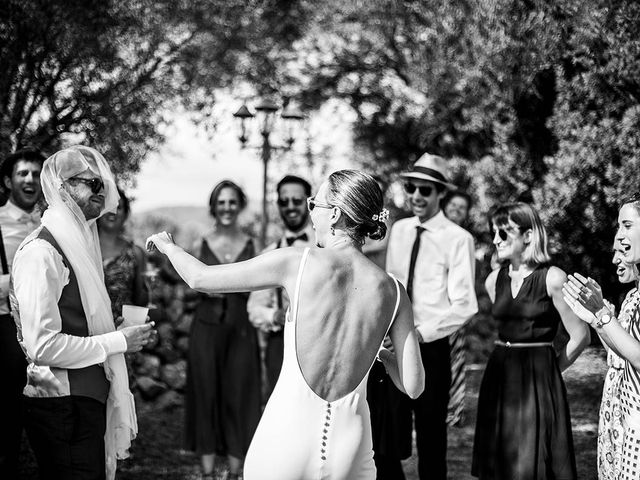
(622, 336)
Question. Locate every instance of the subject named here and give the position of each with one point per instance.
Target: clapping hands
(584, 297)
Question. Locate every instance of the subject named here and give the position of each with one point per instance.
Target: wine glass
(151, 278)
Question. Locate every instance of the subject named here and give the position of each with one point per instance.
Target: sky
(191, 161)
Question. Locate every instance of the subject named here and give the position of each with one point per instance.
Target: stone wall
(158, 374)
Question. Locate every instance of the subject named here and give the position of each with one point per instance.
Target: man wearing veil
(79, 412)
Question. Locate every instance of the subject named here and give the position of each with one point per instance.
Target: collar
(18, 214)
(436, 222)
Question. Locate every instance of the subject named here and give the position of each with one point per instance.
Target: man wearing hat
(434, 258)
(20, 174)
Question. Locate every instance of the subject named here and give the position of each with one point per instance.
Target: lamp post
(266, 112)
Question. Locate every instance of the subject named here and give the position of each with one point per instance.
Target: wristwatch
(603, 316)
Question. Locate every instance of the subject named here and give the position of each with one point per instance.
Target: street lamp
(266, 115)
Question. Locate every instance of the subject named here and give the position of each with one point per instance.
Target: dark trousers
(67, 436)
(14, 364)
(430, 418)
(391, 424)
(273, 356)
(430, 411)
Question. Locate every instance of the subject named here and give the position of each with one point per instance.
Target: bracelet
(603, 317)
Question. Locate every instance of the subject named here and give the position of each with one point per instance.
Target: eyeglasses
(284, 202)
(311, 204)
(95, 184)
(425, 190)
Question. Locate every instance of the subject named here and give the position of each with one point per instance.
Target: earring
(333, 231)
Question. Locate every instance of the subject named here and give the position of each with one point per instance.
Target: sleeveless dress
(222, 403)
(630, 408)
(523, 429)
(302, 436)
(610, 428)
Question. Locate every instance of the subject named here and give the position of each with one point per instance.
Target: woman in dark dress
(523, 429)
(223, 377)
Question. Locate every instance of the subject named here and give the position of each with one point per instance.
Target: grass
(157, 454)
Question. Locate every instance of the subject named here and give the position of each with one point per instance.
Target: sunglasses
(284, 202)
(425, 190)
(503, 232)
(311, 204)
(95, 184)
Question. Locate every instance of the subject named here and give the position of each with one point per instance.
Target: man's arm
(461, 291)
(39, 275)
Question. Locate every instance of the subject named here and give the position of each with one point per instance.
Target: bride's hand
(159, 241)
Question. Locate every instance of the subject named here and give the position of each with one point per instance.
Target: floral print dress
(611, 431)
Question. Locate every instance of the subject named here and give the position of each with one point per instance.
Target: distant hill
(182, 214)
(187, 223)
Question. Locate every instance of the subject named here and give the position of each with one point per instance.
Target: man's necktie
(412, 262)
(303, 236)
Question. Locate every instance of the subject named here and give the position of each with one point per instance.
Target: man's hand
(137, 336)
(277, 322)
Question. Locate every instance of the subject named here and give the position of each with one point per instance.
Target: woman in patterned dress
(456, 206)
(123, 261)
(584, 296)
(610, 430)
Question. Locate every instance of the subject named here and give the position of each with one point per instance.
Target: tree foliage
(106, 72)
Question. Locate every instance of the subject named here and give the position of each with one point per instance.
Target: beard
(294, 223)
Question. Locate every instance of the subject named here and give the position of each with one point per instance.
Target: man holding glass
(79, 411)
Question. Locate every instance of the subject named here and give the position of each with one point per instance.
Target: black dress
(223, 375)
(523, 430)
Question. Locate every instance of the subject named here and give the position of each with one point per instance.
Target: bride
(316, 423)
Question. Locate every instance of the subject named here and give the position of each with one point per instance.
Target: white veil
(78, 239)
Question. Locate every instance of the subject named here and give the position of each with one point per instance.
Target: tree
(107, 72)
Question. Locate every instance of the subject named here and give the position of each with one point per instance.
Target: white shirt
(39, 275)
(443, 284)
(16, 224)
(262, 304)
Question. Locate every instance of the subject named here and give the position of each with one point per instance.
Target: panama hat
(432, 168)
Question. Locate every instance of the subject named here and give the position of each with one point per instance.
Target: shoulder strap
(296, 295)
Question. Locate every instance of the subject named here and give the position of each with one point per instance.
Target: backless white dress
(304, 437)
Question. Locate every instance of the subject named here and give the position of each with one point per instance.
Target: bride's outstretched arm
(269, 270)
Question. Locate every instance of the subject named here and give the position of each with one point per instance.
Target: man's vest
(88, 381)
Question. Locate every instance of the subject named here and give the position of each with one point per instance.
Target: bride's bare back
(345, 306)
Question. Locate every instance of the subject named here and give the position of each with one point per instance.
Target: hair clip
(383, 216)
